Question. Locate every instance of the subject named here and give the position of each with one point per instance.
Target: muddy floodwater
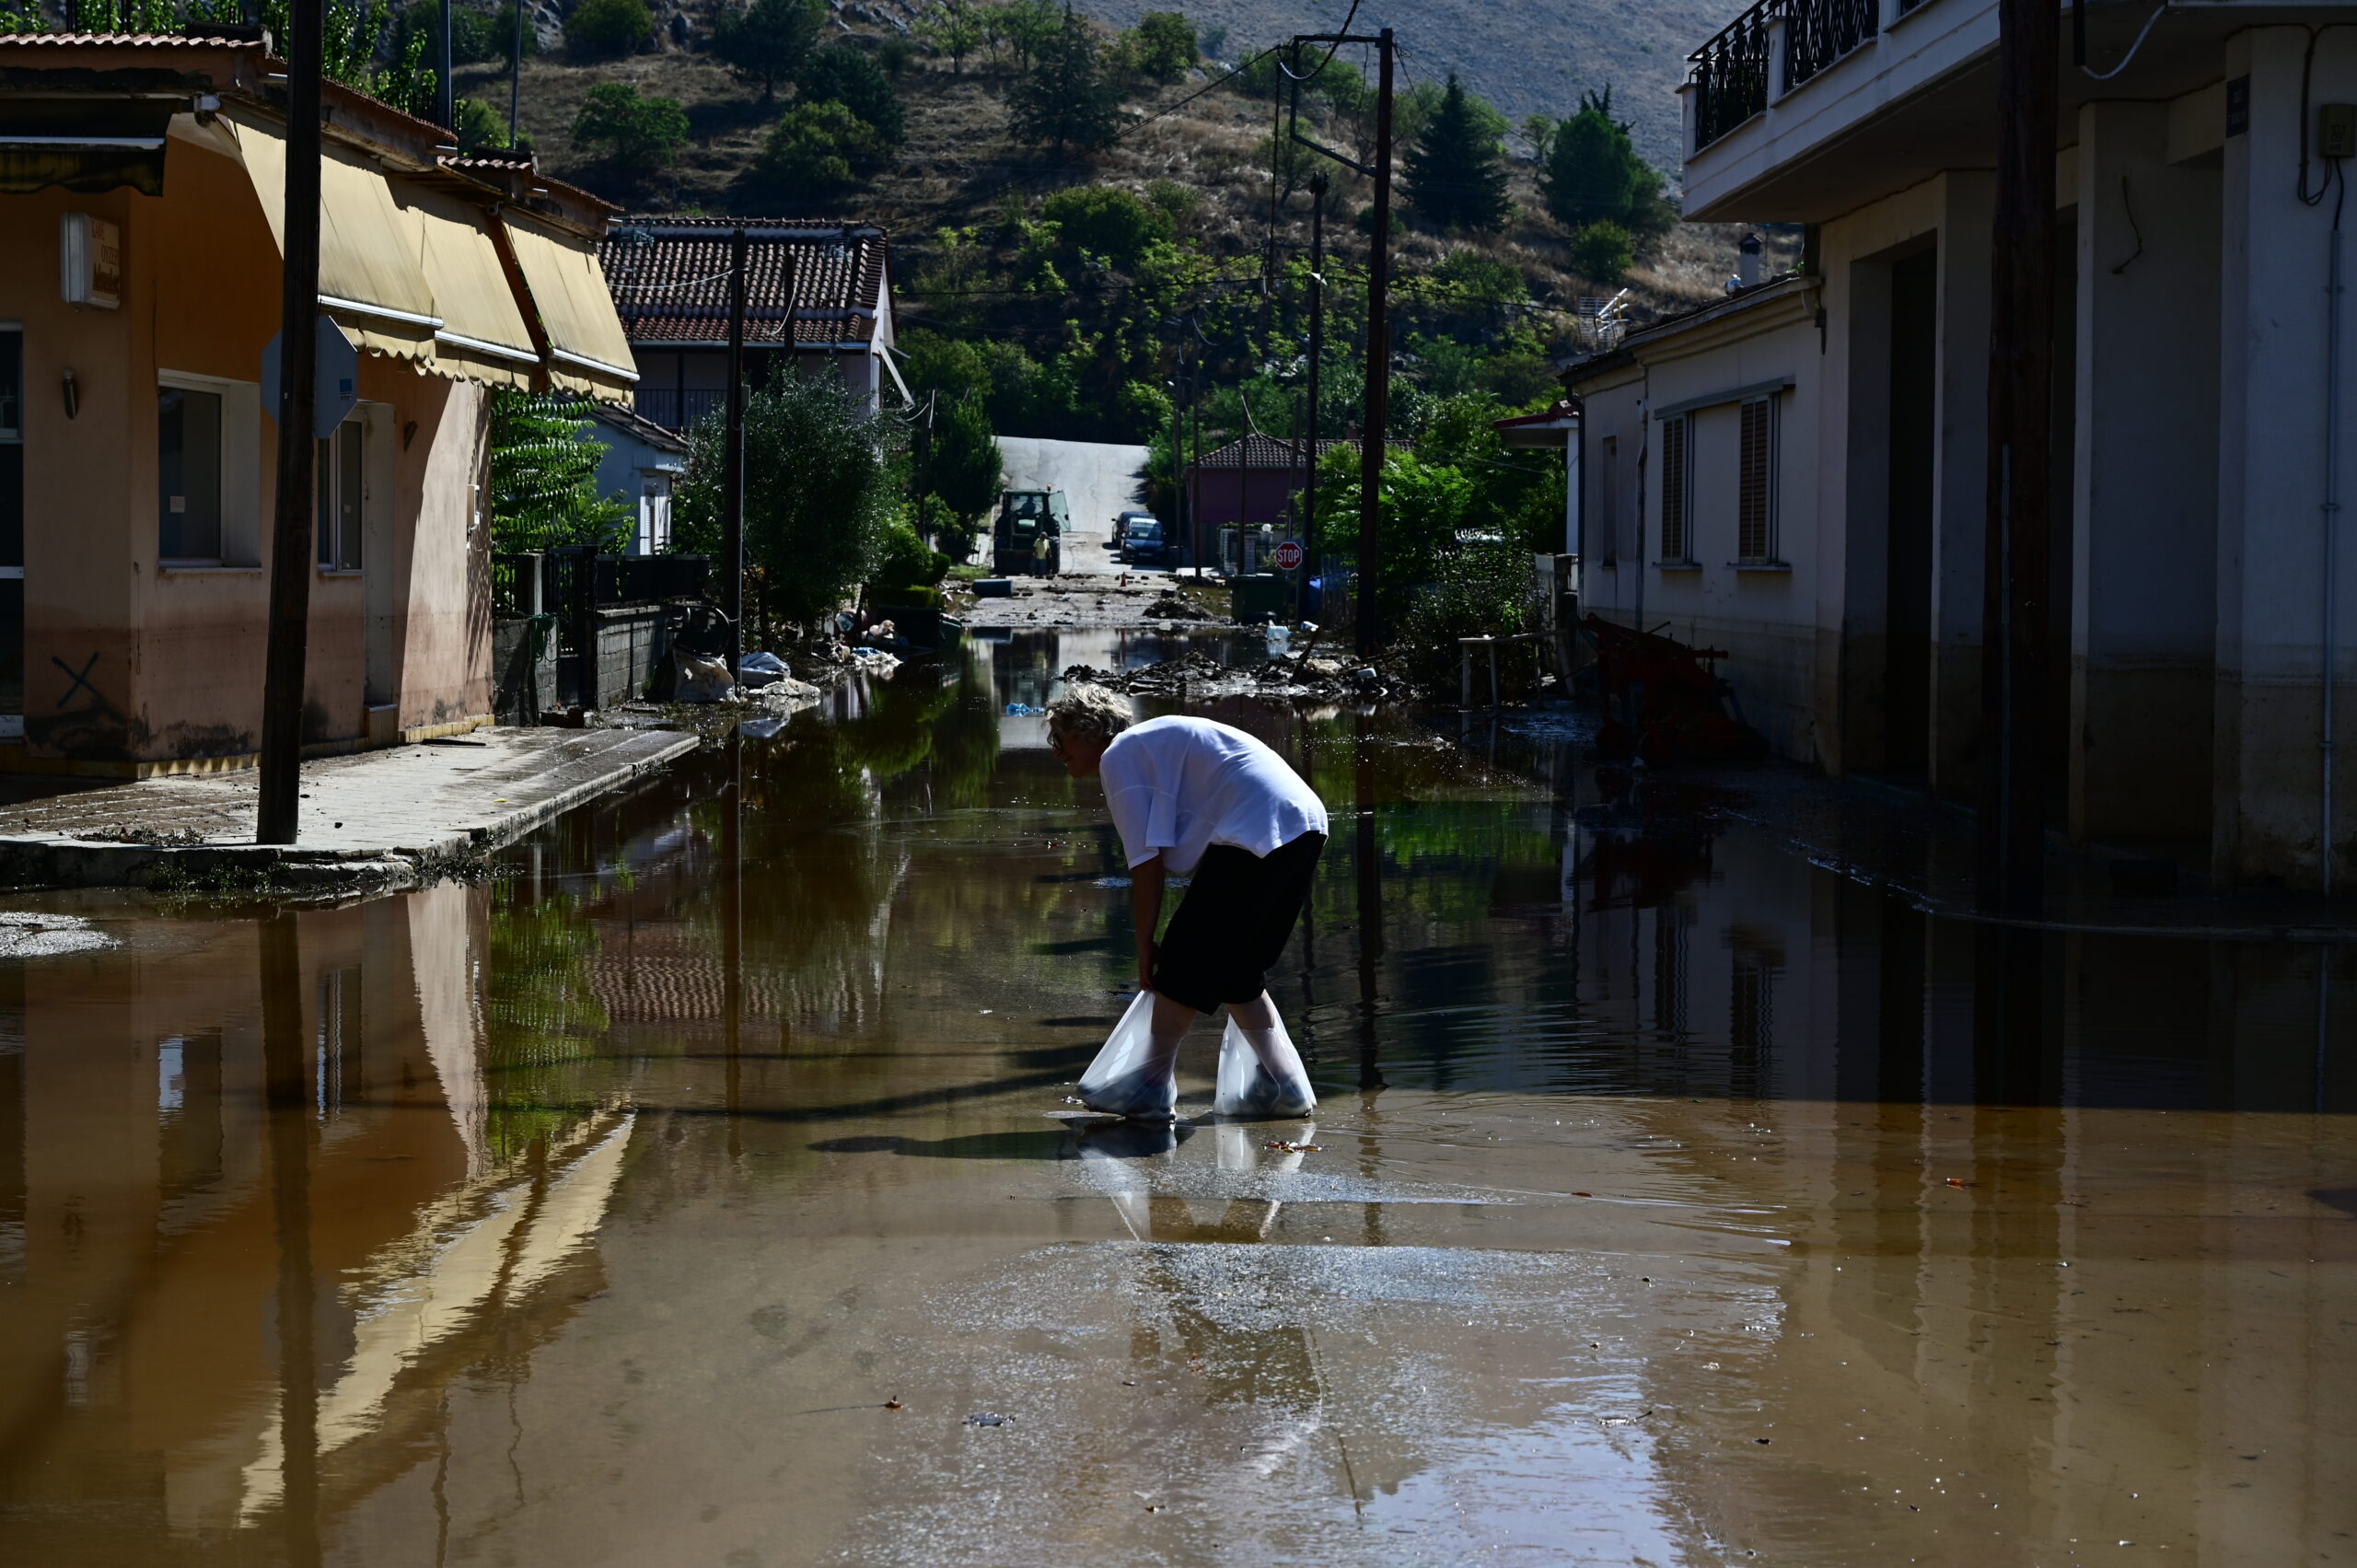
(703, 1189)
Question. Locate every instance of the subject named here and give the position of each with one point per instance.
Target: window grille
(1677, 477)
(1755, 487)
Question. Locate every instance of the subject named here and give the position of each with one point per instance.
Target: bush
(819, 148)
(602, 27)
(906, 567)
(848, 75)
(1174, 198)
(641, 132)
(1162, 48)
(896, 54)
(1106, 220)
(1603, 251)
(544, 476)
(767, 43)
(1480, 589)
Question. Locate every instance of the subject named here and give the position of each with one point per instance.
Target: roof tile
(676, 290)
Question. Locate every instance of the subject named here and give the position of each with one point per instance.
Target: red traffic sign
(1288, 556)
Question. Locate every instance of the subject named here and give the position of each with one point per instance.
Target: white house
(1799, 473)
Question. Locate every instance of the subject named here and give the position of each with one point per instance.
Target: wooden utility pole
(2015, 597)
(1316, 357)
(516, 78)
(445, 113)
(1378, 367)
(278, 816)
(732, 504)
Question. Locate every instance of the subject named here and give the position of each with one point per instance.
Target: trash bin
(1256, 596)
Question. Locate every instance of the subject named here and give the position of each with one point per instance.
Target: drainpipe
(2331, 513)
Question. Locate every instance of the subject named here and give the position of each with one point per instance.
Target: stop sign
(1288, 556)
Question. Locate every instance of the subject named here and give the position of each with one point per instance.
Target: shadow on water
(299, 1215)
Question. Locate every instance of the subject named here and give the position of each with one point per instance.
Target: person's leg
(1260, 1012)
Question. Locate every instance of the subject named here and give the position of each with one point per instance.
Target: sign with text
(1288, 556)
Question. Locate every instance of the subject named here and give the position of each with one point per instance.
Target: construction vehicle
(1023, 516)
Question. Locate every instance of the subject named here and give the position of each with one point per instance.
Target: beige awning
(587, 350)
(482, 336)
(370, 279)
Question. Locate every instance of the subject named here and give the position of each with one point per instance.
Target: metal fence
(1730, 73)
(1818, 32)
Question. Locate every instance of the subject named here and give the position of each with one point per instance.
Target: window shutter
(1756, 502)
(1673, 488)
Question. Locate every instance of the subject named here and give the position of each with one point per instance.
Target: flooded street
(1669, 1200)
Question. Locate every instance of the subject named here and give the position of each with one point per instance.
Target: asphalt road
(1101, 479)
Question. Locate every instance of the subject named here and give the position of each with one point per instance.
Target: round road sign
(1288, 556)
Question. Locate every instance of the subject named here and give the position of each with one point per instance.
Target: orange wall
(179, 653)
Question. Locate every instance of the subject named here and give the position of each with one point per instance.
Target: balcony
(1788, 41)
(676, 409)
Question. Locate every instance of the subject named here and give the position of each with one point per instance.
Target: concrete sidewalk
(372, 820)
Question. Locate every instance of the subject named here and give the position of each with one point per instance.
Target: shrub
(1162, 48)
(906, 565)
(896, 54)
(1480, 588)
(1603, 251)
(819, 148)
(848, 75)
(1106, 220)
(767, 43)
(1174, 198)
(601, 28)
(641, 132)
(544, 476)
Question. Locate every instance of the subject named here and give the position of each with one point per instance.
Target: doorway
(1914, 438)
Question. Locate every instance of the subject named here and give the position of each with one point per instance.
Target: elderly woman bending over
(1195, 798)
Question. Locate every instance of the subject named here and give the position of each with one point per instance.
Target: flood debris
(984, 1418)
(1301, 678)
(1170, 606)
(1281, 1147)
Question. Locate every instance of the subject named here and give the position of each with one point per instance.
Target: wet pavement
(703, 1190)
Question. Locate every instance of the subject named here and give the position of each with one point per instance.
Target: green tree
(602, 27)
(818, 494)
(544, 476)
(967, 464)
(1162, 47)
(1063, 100)
(766, 43)
(641, 133)
(1603, 251)
(818, 148)
(1593, 173)
(1456, 172)
(1027, 27)
(953, 28)
(848, 75)
(1423, 508)
(1105, 220)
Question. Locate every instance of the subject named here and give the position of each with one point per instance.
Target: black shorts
(1237, 918)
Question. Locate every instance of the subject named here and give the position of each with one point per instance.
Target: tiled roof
(631, 422)
(1258, 451)
(675, 289)
(122, 40)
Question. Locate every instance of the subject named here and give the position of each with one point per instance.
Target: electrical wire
(2107, 75)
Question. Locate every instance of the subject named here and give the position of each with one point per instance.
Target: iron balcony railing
(1818, 32)
(1730, 73)
(675, 409)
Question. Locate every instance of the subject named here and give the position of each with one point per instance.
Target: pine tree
(1594, 174)
(1456, 175)
(544, 476)
(1064, 98)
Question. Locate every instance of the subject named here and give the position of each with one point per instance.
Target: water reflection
(1669, 1198)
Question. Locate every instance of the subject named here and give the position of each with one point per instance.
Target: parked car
(1140, 539)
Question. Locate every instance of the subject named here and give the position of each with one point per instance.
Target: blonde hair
(1089, 711)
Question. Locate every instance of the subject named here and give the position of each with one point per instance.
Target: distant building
(642, 464)
(818, 295)
(1799, 473)
(1248, 484)
(141, 182)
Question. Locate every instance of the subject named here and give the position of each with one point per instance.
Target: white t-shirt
(1178, 786)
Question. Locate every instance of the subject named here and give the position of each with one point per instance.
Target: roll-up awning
(86, 148)
(587, 350)
(370, 277)
(482, 336)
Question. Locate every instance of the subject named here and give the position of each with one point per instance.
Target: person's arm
(1145, 904)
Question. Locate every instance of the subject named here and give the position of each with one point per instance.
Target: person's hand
(1146, 963)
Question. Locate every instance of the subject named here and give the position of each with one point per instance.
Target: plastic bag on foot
(1124, 1081)
(1249, 1089)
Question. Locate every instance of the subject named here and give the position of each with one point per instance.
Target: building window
(341, 490)
(188, 475)
(1756, 484)
(1677, 485)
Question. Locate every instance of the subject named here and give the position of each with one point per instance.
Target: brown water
(1671, 1199)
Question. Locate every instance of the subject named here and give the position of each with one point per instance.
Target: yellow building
(142, 181)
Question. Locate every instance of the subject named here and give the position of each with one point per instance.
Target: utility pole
(732, 521)
(278, 814)
(1376, 413)
(444, 114)
(2014, 604)
(516, 78)
(1317, 360)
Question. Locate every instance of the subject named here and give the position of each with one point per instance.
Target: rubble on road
(1170, 606)
(1296, 678)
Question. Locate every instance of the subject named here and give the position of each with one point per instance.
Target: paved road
(1101, 478)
